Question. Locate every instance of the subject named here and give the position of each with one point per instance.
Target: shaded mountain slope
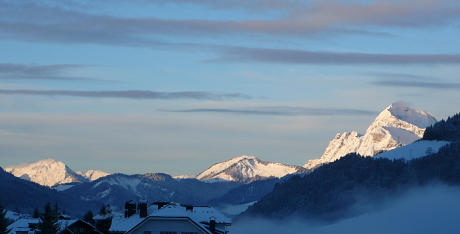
(116, 189)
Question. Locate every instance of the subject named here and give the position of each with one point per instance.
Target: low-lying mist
(432, 209)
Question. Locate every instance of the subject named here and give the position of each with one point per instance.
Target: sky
(175, 86)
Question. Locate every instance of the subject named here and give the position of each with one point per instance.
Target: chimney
(130, 208)
(189, 208)
(142, 208)
(212, 225)
(160, 204)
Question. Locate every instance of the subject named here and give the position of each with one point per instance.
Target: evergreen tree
(103, 224)
(36, 213)
(4, 222)
(56, 211)
(49, 220)
(88, 217)
(103, 210)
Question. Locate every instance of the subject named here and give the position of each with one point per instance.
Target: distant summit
(49, 172)
(396, 126)
(93, 174)
(247, 169)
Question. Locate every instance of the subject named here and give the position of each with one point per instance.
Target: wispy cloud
(15, 71)
(385, 75)
(414, 81)
(417, 84)
(39, 70)
(282, 110)
(241, 54)
(56, 23)
(251, 6)
(130, 94)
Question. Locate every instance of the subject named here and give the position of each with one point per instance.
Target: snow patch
(415, 150)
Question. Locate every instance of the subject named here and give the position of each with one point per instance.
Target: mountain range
(247, 178)
(395, 126)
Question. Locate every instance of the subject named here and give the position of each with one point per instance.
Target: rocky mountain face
(397, 125)
(247, 169)
(49, 172)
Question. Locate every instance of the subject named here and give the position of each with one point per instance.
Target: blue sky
(174, 86)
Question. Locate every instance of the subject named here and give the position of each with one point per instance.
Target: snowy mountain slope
(116, 189)
(415, 150)
(93, 174)
(246, 169)
(179, 177)
(47, 172)
(395, 126)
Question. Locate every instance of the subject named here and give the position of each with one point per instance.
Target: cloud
(417, 84)
(241, 54)
(66, 23)
(414, 81)
(130, 94)
(39, 70)
(252, 6)
(399, 76)
(16, 71)
(409, 13)
(60, 78)
(284, 111)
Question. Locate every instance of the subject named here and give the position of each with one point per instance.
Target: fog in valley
(432, 209)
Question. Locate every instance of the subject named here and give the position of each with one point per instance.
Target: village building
(66, 226)
(169, 218)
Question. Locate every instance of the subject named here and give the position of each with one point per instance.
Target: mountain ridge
(50, 172)
(247, 169)
(395, 126)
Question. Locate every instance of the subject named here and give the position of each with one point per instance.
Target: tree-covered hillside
(444, 130)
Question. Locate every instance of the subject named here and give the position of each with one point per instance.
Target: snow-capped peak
(47, 172)
(246, 168)
(419, 118)
(395, 126)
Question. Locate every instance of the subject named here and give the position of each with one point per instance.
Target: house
(169, 218)
(66, 226)
(23, 226)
